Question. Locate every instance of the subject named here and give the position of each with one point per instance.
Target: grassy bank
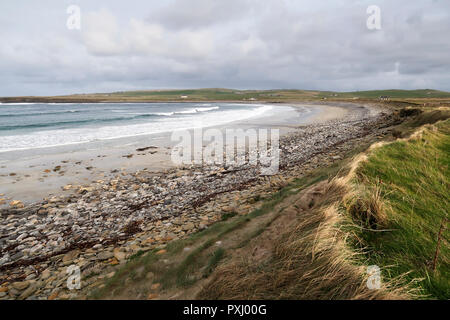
(405, 192)
(387, 209)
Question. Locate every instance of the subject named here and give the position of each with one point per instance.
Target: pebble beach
(98, 225)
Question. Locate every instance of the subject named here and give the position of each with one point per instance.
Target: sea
(39, 125)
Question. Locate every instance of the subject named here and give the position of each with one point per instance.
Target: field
(235, 95)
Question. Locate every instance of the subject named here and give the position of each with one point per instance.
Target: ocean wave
(38, 113)
(73, 122)
(19, 103)
(75, 135)
(126, 116)
(197, 110)
(168, 114)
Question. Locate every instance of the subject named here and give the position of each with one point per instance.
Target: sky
(239, 44)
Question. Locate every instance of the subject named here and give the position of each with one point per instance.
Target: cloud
(235, 43)
(195, 14)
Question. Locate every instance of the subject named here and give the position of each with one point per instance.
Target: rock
(54, 295)
(3, 289)
(119, 255)
(152, 296)
(17, 203)
(114, 262)
(4, 259)
(104, 255)
(17, 256)
(20, 285)
(188, 226)
(70, 256)
(45, 274)
(162, 251)
(228, 209)
(28, 292)
(156, 286)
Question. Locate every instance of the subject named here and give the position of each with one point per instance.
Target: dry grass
(310, 260)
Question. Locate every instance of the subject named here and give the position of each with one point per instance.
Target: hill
(232, 95)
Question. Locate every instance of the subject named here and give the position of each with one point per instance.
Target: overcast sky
(242, 44)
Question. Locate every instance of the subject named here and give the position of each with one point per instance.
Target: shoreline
(103, 224)
(33, 174)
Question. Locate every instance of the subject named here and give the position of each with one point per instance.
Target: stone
(28, 292)
(14, 292)
(54, 295)
(45, 274)
(17, 256)
(3, 289)
(119, 255)
(162, 251)
(20, 285)
(155, 286)
(188, 226)
(228, 209)
(70, 256)
(152, 296)
(17, 203)
(104, 255)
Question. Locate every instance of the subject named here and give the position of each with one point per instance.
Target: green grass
(221, 94)
(413, 177)
(393, 94)
(229, 94)
(213, 261)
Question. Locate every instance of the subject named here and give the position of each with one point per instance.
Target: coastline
(32, 175)
(102, 224)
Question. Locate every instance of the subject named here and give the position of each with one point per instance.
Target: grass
(385, 211)
(214, 261)
(412, 178)
(220, 94)
(393, 94)
(310, 260)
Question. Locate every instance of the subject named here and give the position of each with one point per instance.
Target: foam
(60, 137)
